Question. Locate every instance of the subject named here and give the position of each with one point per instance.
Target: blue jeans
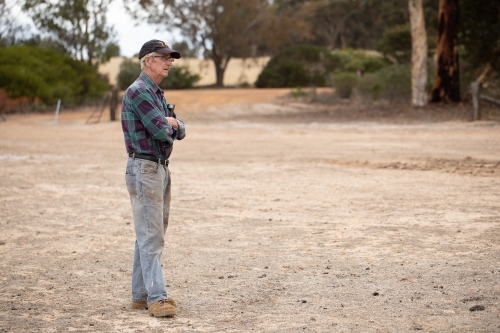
(148, 184)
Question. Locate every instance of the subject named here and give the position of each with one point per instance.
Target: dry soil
(286, 217)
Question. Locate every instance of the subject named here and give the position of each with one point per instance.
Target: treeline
(47, 75)
(224, 29)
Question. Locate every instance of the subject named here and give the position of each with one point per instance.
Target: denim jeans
(148, 184)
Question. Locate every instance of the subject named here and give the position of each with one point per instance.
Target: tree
(47, 75)
(446, 83)
(480, 35)
(419, 54)
(10, 29)
(79, 26)
(221, 29)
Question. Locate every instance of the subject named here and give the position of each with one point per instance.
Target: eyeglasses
(165, 59)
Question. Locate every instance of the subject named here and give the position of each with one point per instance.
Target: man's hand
(172, 122)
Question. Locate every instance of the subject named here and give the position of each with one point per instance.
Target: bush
(283, 75)
(129, 71)
(358, 60)
(344, 84)
(34, 72)
(392, 83)
(178, 77)
(302, 65)
(396, 44)
(311, 66)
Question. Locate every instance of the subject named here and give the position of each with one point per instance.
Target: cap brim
(166, 50)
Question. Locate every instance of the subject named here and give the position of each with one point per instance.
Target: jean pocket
(130, 170)
(149, 167)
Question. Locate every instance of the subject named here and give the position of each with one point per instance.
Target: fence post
(475, 89)
(57, 109)
(113, 104)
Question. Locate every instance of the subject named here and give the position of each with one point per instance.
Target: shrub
(129, 71)
(283, 75)
(34, 72)
(354, 60)
(303, 65)
(396, 44)
(392, 83)
(344, 84)
(311, 66)
(179, 78)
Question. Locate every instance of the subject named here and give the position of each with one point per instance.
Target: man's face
(160, 64)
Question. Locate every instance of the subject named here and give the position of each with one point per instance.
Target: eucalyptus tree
(221, 29)
(419, 54)
(479, 35)
(10, 29)
(79, 26)
(446, 82)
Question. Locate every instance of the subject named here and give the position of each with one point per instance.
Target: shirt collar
(150, 82)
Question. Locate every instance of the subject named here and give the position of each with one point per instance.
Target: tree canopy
(11, 31)
(479, 32)
(78, 26)
(222, 29)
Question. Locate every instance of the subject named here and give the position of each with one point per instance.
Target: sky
(131, 37)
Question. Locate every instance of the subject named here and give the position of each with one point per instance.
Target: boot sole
(169, 313)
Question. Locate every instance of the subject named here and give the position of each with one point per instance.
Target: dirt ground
(286, 217)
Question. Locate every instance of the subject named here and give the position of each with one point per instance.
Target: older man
(150, 127)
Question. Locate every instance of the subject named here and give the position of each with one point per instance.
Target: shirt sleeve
(151, 116)
(181, 132)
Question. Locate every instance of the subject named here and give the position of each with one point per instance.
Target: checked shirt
(145, 128)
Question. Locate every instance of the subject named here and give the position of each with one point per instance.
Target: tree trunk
(220, 64)
(219, 76)
(446, 84)
(419, 54)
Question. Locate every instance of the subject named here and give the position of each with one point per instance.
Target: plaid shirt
(145, 128)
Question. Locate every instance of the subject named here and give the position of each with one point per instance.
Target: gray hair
(143, 59)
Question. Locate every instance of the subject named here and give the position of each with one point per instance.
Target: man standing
(150, 127)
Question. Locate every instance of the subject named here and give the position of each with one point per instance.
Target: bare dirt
(286, 217)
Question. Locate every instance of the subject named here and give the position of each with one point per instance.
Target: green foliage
(298, 92)
(480, 32)
(307, 65)
(286, 74)
(185, 50)
(179, 77)
(38, 73)
(358, 60)
(303, 65)
(361, 24)
(78, 26)
(111, 50)
(392, 83)
(344, 84)
(396, 44)
(129, 71)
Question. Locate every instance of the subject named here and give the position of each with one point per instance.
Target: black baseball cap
(156, 45)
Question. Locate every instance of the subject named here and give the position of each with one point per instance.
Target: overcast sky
(131, 37)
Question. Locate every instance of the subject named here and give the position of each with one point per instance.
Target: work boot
(143, 305)
(163, 308)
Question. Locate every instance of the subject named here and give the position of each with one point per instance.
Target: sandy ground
(285, 218)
